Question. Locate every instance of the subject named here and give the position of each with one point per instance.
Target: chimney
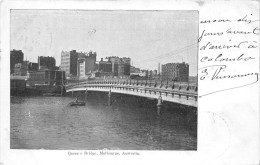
(101, 59)
(159, 68)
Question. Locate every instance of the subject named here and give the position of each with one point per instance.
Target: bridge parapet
(178, 92)
(150, 84)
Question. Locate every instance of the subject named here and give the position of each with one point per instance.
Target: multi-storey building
(134, 70)
(93, 55)
(120, 66)
(115, 61)
(33, 66)
(105, 66)
(20, 69)
(73, 60)
(86, 64)
(175, 72)
(81, 68)
(48, 77)
(46, 62)
(126, 62)
(16, 56)
(65, 62)
(69, 61)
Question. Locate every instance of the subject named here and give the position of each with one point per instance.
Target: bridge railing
(166, 85)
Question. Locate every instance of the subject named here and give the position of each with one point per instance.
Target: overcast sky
(147, 37)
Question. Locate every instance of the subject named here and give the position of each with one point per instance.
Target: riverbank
(39, 90)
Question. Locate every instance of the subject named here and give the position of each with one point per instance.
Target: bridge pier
(109, 97)
(72, 93)
(159, 105)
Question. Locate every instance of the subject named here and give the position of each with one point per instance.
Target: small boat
(78, 103)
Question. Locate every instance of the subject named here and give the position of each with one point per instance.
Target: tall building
(86, 64)
(90, 61)
(105, 66)
(120, 66)
(159, 68)
(72, 61)
(16, 56)
(126, 62)
(115, 69)
(46, 62)
(66, 60)
(175, 72)
(115, 61)
(69, 61)
(81, 68)
(93, 55)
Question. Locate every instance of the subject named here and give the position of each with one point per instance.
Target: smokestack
(101, 59)
(159, 67)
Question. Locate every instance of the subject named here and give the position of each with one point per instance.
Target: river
(49, 123)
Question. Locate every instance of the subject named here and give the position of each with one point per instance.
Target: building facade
(120, 66)
(115, 62)
(73, 63)
(105, 66)
(33, 66)
(20, 69)
(16, 56)
(126, 62)
(134, 70)
(81, 68)
(175, 72)
(47, 77)
(90, 61)
(86, 64)
(69, 61)
(46, 62)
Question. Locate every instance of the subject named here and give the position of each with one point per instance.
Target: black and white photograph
(104, 79)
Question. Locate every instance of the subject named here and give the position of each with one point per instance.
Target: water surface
(49, 123)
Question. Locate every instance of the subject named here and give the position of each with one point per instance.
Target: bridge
(175, 92)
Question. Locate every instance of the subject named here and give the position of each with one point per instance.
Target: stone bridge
(177, 92)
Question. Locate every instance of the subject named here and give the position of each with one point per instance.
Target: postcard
(109, 82)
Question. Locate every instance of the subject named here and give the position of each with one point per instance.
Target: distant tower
(159, 67)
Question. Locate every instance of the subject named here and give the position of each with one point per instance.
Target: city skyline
(102, 60)
(148, 38)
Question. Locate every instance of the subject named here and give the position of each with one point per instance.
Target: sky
(147, 37)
